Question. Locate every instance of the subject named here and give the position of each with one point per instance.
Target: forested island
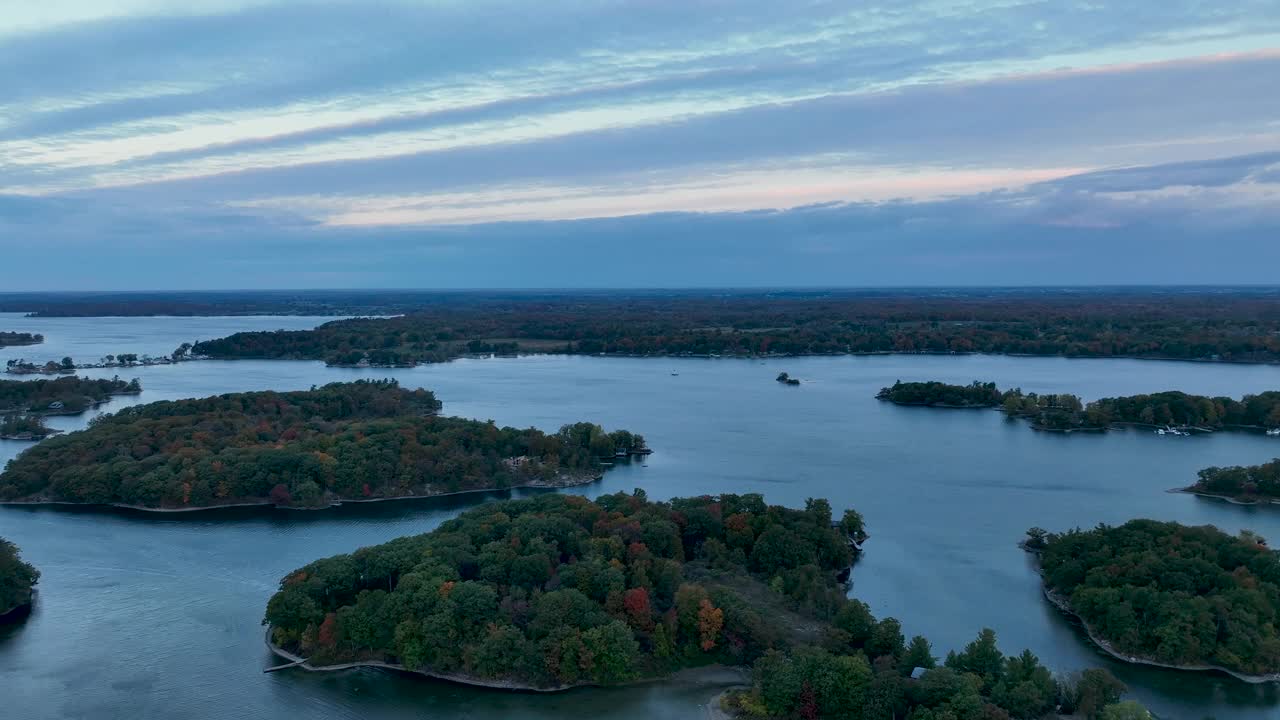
(559, 591)
(1233, 328)
(1248, 485)
(9, 339)
(937, 394)
(17, 582)
(363, 440)
(61, 396)
(1064, 411)
(1167, 594)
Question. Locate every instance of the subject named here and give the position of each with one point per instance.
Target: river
(148, 616)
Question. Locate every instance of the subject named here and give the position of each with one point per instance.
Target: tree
(710, 620)
(639, 612)
(981, 657)
(853, 525)
(919, 655)
(1095, 689)
(612, 649)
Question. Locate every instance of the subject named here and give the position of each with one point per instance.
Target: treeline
(1196, 327)
(976, 394)
(8, 339)
(1164, 408)
(70, 394)
(1255, 482)
(17, 578)
(1170, 593)
(361, 440)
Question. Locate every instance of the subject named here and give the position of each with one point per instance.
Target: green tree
(613, 649)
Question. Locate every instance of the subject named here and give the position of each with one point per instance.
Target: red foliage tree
(280, 495)
(639, 611)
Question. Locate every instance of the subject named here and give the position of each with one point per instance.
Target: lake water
(144, 616)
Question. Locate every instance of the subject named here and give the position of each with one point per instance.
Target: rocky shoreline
(1065, 607)
(717, 674)
(1225, 498)
(576, 481)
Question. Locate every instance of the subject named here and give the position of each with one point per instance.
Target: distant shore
(575, 482)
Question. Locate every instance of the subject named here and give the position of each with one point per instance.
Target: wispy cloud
(255, 124)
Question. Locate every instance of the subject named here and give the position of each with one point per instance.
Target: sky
(209, 144)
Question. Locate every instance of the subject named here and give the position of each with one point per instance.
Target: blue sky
(246, 143)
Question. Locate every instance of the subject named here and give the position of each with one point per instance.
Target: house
(918, 672)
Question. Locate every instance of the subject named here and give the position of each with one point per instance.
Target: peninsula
(360, 441)
(1247, 485)
(10, 339)
(1066, 412)
(69, 395)
(1170, 595)
(559, 591)
(17, 582)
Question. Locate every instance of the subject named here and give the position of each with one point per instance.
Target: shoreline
(19, 611)
(506, 685)
(1065, 607)
(269, 504)
(1226, 498)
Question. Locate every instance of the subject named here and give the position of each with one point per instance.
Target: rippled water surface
(147, 616)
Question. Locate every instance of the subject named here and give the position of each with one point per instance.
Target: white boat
(1274, 432)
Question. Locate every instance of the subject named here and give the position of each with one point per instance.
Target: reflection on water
(158, 616)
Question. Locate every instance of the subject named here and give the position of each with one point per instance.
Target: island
(937, 394)
(1247, 485)
(1172, 411)
(560, 591)
(358, 441)
(786, 379)
(1169, 595)
(1228, 327)
(17, 583)
(69, 395)
(10, 339)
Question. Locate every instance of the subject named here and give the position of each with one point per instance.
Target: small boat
(1274, 432)
(675, 374)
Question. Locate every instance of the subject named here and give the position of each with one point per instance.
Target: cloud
(500, 142)
(1075, 230)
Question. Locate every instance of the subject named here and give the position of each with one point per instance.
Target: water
(158, 616)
